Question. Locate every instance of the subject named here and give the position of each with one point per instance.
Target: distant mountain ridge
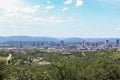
(72, 39)
(27, 38)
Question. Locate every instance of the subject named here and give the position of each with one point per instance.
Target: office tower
(20, 45)
(94, 44)
(107, 43)
(117, 43)
(42, 43)
(38, 44)
(62, 43)
(34, 44)
(84, 44)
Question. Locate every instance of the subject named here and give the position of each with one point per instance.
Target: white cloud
(27, 19)
(65, 9)
(20, 12)
(49, 7)
(79, 3)
(68, 2)
(16, 6)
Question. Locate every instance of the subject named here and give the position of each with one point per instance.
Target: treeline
(96, 65)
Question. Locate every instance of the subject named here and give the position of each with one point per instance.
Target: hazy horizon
(62, 37)
(60, 18)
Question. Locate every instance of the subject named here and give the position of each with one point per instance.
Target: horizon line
(54, 36)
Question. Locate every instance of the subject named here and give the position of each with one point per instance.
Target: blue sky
(60, 18)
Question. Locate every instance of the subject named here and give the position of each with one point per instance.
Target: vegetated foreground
(62, 65)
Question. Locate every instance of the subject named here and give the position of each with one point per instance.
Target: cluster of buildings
(62, 45)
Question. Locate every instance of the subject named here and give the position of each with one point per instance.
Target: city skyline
(60, 18)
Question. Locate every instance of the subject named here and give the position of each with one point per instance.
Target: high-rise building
(42, 43)
(38, 44)
(117, 43)
(107, 43)
(94, 44)
(62, 43)
(34, 44)
(84, 43)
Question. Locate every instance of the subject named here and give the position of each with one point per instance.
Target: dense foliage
(49, 65)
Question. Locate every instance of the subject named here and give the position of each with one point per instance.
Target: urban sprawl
(22, 46)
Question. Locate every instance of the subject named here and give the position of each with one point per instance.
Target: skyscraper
(84, 43)
(117, 43)
(107, 43)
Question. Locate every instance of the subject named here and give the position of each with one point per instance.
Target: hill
(27, 38)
